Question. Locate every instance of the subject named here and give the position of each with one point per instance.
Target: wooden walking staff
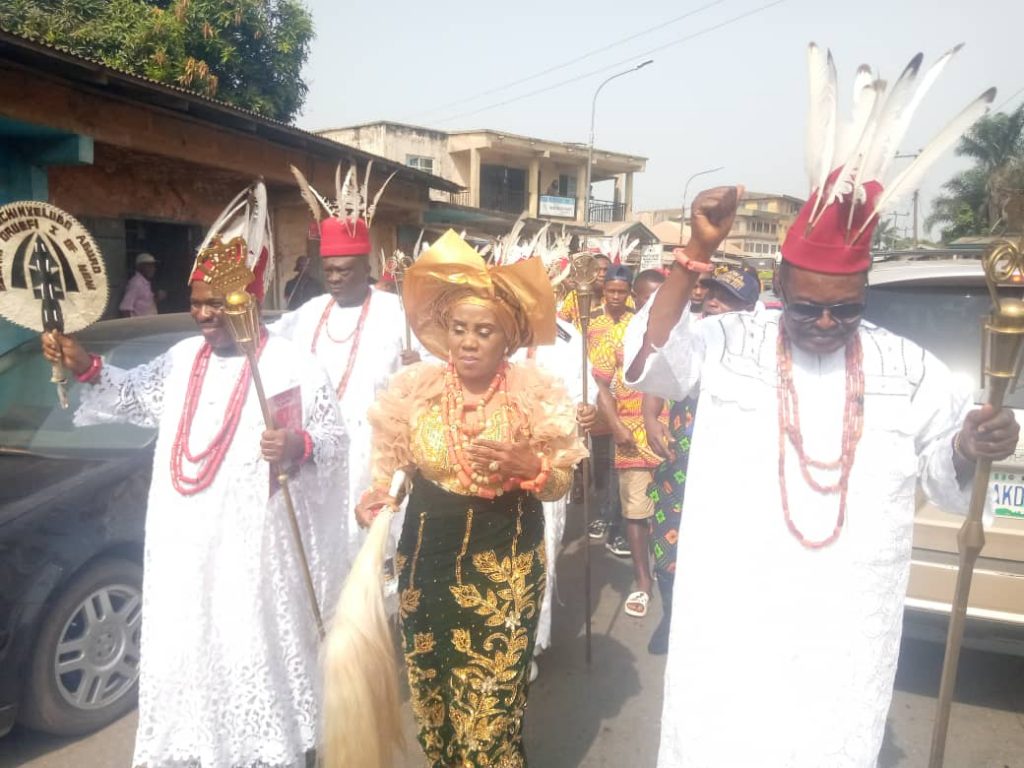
(1003, 341)
(242, 314)
(584, 272)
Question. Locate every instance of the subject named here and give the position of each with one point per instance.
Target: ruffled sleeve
(391, 417)
(551, 415)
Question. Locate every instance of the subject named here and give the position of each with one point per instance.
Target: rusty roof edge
(27, 52)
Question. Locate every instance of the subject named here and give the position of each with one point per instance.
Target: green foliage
(246, 52)
(975, 200)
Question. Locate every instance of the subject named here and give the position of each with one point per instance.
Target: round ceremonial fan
(52, 274)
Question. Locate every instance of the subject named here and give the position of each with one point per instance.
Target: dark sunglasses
(809, 312)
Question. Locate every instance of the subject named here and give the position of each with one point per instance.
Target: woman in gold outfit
(485, 442)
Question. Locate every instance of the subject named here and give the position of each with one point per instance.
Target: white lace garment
(379, 355)
(229, 673)
(782, 656)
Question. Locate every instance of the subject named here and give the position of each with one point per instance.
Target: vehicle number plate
(1008, 490)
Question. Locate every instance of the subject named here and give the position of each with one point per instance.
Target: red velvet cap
(342, 238)
(826, 248)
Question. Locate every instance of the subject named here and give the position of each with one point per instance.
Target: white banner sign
(560, 207)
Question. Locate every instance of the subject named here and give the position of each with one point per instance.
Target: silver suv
(939, 303)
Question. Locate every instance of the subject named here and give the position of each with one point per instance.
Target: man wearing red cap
(814, 431)
(355, 331)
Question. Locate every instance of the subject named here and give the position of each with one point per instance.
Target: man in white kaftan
(230, 672)
(564, 361)
(784, 655)
(359, 358)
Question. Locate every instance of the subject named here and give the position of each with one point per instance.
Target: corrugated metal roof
(55, 60)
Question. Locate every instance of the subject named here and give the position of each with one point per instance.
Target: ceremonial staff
(1003, 341)
(242, 314)
(584, 272)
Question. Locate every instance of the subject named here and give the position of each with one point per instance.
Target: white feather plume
(898, 130)
(911, 176)
(849, 134)
(821, 120)
(894, 114)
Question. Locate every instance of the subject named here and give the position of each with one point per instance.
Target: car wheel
(85, 668)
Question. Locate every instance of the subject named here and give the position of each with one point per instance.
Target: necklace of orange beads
(460, 432)
(789, 427)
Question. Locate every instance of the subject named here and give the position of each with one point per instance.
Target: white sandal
(641, 598)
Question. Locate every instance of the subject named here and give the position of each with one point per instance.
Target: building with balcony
(761, 224)
(503, 175)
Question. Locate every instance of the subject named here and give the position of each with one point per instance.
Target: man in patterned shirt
(634, 459)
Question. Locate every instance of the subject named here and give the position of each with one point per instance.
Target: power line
(570, 62)
(678, 41)
(1012, 97)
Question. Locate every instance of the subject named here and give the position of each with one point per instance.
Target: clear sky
(734, 96)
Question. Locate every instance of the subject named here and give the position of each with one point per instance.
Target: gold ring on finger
(493, 466)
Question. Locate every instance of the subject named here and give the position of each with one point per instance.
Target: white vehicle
(939, 304)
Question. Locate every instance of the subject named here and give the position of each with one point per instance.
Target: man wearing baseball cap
(139, 299)
(731, 288)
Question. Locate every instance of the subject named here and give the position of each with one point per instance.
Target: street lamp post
(686, 187)
(590, 147)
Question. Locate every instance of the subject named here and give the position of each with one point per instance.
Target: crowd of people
(698, 387)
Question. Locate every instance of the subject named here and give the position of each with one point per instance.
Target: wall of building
(399, 142)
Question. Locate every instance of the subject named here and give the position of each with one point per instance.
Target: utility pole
(590, 146)
(917, 194)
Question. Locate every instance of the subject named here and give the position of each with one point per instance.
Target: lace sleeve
(135, 396)
(327, 431)
(552, 418)
(391, 418)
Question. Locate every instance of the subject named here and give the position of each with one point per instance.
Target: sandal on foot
(637, 598)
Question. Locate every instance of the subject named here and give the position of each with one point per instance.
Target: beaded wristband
(90, 373)
(537, 484)
(700, 267)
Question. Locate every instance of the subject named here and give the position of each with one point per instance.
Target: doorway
(174, 247)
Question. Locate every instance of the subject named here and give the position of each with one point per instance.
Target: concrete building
(762, 222)
(148, 167)
(504, 175)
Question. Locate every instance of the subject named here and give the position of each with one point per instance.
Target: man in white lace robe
(358, 335)
(229, 660)
(783, 653)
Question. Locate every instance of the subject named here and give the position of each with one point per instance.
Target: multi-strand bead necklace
(208, 460)
(460, 432)
(354, 337)
(789, 427)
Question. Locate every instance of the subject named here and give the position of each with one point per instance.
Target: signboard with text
(559, 207)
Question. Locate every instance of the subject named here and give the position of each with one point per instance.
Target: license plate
(1008, 490)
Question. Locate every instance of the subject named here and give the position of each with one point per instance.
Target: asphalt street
(607, 716)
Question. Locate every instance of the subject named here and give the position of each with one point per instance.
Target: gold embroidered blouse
(409, 430)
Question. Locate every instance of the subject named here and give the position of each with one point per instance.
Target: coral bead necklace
(789, 429)
(208, 460)
(355, 337)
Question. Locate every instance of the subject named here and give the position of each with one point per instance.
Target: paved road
(607, 716)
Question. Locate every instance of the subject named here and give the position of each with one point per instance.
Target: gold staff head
(1004, 327)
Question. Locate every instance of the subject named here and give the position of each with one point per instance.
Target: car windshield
(32, 421)
(945, 320)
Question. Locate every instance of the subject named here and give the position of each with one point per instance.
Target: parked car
(72, 511)
(939, 304)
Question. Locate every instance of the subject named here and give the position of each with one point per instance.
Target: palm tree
(976, 199)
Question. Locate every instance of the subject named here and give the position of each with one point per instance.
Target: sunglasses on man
(811, 312)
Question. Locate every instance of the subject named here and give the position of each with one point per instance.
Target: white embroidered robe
(378, 355)
(230, 672)
(780, 655)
